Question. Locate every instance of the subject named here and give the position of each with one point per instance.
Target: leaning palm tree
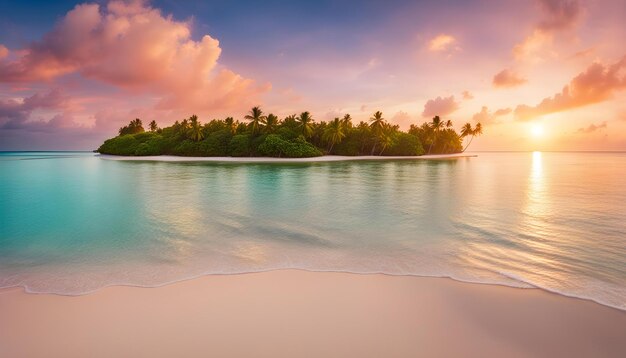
(377, 123)
(436, 125)
(306, 124)
(385, 141)
(334, 132)
(271, 123)
(256, 118)
(467, 130)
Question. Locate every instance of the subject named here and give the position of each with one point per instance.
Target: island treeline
(294, 136)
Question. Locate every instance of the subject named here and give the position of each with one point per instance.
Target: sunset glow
(537, 130)
(79, 71)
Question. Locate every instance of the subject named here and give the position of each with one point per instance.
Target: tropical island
(292, 137)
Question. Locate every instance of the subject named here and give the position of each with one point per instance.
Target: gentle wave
(550, 221)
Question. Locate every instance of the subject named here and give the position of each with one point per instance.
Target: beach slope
(292, 313)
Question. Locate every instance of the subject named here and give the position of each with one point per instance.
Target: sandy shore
(324, 158)
(304, 314)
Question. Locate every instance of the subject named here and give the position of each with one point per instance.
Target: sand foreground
(291, 313)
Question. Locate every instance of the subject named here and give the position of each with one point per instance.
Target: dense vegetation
(293, 137)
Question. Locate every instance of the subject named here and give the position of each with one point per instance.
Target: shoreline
(304, 313)
(530, 286)
(323, 158)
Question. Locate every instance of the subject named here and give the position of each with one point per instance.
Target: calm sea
(71, 223)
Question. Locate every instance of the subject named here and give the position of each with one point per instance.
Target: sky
(538, 75)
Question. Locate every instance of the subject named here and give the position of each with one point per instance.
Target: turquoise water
(72, 223)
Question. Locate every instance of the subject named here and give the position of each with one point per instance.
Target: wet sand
(291, 313)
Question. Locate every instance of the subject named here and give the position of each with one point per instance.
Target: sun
(537, 130)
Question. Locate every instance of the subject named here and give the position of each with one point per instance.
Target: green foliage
(294, 137)
(405, 144)
(135, 126)
(121, 145)
(187, 148)
(216, 144)
(275, 146)
(239, 145)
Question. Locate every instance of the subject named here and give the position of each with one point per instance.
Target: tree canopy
(293, 136)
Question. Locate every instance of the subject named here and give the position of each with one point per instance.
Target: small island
(292, 137)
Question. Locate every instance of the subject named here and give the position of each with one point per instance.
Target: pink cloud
(4, 52)
(467, 95)
(134, 47)
(441, 43)
(596, 84)
(559, 14)
(556, 16)
(402, 119)
(592, 128)
(440, 106)
(508, 78)
(485, 117)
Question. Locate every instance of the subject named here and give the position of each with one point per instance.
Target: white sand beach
(324, 158)
(292, 313)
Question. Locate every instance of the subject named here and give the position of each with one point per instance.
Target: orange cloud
(508, 78)
(133, 46)
(4, 52)
(442, 43)
(592, 128)
(596, 84)
(440, 106)
(485, 117)
(467, 95)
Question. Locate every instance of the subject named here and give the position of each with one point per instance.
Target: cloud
(14, 114)
(467, 95)
(401, 118)
(596, 84)
(507, 79)
(4, 52)
(559, 14)
(485, 117)
(440, 106)
(556, 16)
(134, 47)
(592, 128)
(442, 43)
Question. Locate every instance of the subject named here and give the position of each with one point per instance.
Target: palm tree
(256, 118)
(195, 129)
(436, 125)
(385, 141)
(231, 125)
(271, 122)
(306, 122)
(347, 121)
(377, 123)
(153, 126)
(334, 132)
(290, 120)
(467, 130)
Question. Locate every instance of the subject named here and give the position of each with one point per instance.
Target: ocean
(73, 222)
